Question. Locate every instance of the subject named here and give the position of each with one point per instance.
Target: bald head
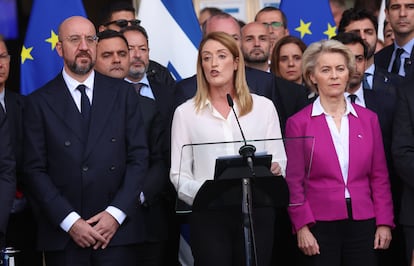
(77, 46)
(225, 23)
(255, 45)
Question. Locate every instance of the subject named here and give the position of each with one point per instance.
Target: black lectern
(223, 182)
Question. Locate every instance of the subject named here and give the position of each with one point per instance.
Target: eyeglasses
(122, 23)
(4, 58)
(76, 39)
(274, 24)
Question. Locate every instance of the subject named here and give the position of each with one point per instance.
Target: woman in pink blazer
(340, 203)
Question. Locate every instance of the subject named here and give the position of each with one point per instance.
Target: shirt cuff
(116, 213)
(67, 223)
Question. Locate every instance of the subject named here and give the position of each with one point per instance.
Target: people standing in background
(163, 225)
(398, 58)
(207, 12)
(340, 207)
(275, 20)
(119, 15)
(255, 45)
(287, 59)
(7, 160)
(112, 54)
(85, 158)
(21, 229)
(337, 8)
(286, 62)
(388, 34)
(402, 151)
(383, 102)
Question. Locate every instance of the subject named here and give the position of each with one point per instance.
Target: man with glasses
(275, 20)
(119, 15)
(85, 158)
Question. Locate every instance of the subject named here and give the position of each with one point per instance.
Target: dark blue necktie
(85, 107)
(2, 113)
(365, 84)
(397, 61)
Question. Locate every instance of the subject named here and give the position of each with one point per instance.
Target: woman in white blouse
(208, 118)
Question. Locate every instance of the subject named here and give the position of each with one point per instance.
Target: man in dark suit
(21, 229)
(383, 102)
(287, 97)
(161, 93)
(85, 158)
(119, 15)
(400, 15)
(365, 24)
(7, 162)
(113, 60)
(402, 151)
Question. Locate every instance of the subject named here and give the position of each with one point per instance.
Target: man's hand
(106, 225)
(84, 235)
(275, 168)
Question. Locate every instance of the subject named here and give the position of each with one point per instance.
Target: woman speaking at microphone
(217, 236)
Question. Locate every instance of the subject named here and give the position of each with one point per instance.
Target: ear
(312, 78)
(59, 48)
(236, 63)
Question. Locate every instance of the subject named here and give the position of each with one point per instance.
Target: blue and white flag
(309, 20)
(39, 60)
(174, 34)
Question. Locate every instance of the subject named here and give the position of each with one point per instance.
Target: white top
(340, 138)
(209, 126)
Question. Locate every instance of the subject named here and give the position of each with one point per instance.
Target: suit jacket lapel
(104, 96)
(356, 139)
(61, 101)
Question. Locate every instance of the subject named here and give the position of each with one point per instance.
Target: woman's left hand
(275, 168)
(382, 237)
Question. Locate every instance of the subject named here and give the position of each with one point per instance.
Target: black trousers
(217, 237)
(409, 242)
(344, 243)
(76, 256)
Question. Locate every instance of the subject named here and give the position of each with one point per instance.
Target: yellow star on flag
(330, 32)
(53, 39)
(304, 28)
(26, 53)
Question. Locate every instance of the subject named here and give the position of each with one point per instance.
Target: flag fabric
(39, 60)
(174, 34)
(381, 19)
(309, 20)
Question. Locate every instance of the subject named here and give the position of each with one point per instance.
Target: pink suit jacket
(321, 195)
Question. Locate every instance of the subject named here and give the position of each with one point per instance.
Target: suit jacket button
(85, 168)
(112, 168)
(67, 143)
(113, 139)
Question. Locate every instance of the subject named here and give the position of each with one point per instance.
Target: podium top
(197, 162)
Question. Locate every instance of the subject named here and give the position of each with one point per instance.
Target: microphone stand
(247, 151)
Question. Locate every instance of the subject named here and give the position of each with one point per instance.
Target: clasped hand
(95, 232)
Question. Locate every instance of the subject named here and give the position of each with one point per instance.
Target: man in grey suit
(85, 158)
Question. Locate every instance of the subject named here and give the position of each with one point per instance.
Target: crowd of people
(92, 164)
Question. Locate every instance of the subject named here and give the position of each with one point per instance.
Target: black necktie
(352, 97)
(138, 87)
(85, 106)
(397, 61)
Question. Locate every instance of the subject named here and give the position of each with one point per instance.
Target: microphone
(247, 150)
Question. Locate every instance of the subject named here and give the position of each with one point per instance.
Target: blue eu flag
(309, 20)
(39, 60)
